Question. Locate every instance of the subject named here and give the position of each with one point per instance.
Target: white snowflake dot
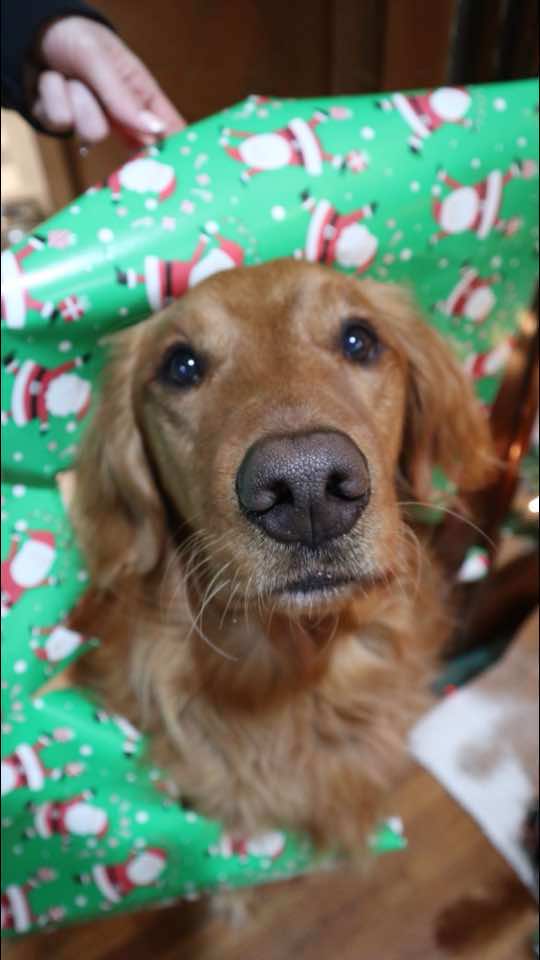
(443, 262)
(64, 346)
(475, 163)
(123, 312)
(185, 151)
(405, 254)
(522, 141)
(495, 262)
(211, 226)
(391, 223)
(86, 750)
(150, 203)
(415, 186)
(71, 426)
(436, 189)
(388, 258)
(20, 666)
(141, 816)
(17, 456)
(367, 133)
(278, 213)
(21, 525)
(191, 136)
(499, 104)
(19, 490)
(75, 209)
(82, 575)
(80, 901)
(105, 235)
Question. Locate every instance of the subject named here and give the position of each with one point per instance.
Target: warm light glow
(527, 322)
(533, 505)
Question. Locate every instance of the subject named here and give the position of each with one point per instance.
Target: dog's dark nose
(304, 488)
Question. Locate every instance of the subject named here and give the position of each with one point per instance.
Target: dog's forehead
(267, 297)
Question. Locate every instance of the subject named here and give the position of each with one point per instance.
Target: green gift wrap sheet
(437, 190)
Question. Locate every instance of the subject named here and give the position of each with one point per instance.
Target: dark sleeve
(21, 22)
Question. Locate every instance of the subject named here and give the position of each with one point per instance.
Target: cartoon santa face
(271, 845)
(450, 103)
(9, 777)
(265, 151)
(32, 562)
(459, 210)
(146, 175)
(67, 395)
(480, 303)
(84, 819)
(356, 246)
(144, 868)
(61, 643)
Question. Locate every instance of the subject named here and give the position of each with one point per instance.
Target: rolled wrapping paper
(438, 190)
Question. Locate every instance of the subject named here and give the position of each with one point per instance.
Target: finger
(54, 103)
(160, 105)
(154, 100)
(89, 121)
(130, 96)
(122, 106)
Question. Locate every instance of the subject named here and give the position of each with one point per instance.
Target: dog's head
(267, 424)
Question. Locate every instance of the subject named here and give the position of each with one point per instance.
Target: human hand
(91, 82)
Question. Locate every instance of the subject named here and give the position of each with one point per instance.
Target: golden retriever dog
(265, 612)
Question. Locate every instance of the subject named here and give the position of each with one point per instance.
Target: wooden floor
(449, 896)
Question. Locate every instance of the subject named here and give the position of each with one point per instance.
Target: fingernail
(151, 122)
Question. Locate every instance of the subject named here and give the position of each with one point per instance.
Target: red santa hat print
(117, 880)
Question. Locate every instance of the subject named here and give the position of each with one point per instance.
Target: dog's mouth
(314, 588)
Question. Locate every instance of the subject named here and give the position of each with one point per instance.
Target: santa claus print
(28, 565)
(17, 298)
(145, 176)
(40, 392)
(17, 913)
(55, 644)
(491, 362)
(73, 817)
(116, 881)
(25, 767)
(471, 298)
(269, 845)
(166, 280)
(132, 736)
(476, 208)
(424, 113)
(340, 239)
(296, 145)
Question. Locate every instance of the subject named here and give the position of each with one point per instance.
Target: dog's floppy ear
(117, 511)
(445, 424)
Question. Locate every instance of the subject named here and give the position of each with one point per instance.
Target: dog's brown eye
(359, 342)
(181, 367)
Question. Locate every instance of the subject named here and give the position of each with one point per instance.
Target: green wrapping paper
(437, 190)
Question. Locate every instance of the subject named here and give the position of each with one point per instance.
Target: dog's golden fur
(267, 711)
